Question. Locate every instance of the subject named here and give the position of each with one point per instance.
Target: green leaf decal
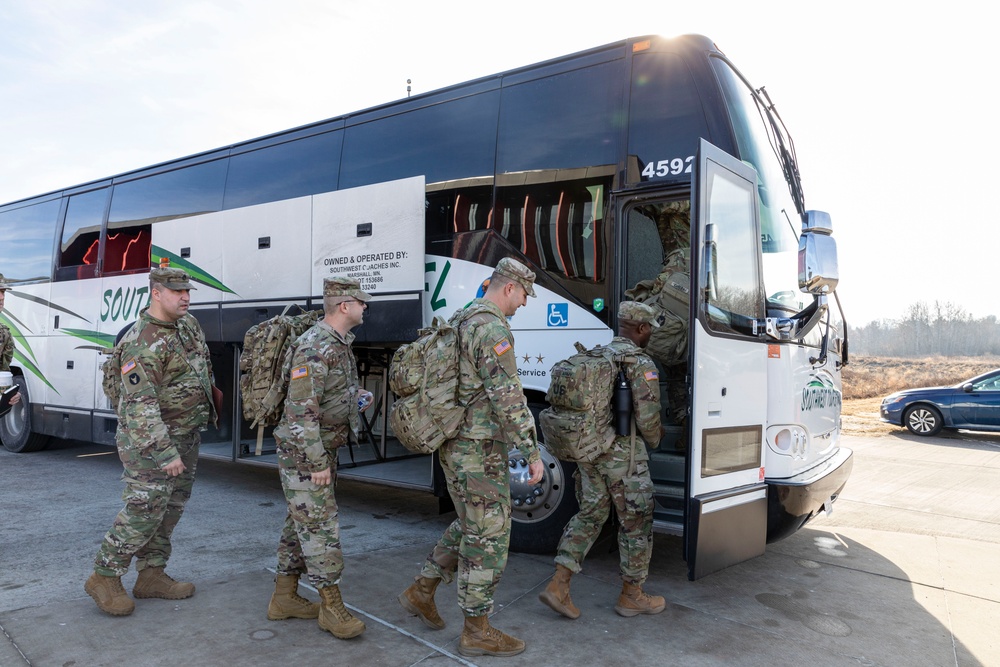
(30, 365)
(157, 253)
(103, 340)
(16, 333)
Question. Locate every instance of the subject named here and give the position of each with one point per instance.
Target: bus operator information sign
(374, 234)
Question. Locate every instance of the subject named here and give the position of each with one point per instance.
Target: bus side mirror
(818, 268)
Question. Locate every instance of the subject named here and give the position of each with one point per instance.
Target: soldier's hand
(322, 478)
(15, 399)
(175, 467)
(537, 469)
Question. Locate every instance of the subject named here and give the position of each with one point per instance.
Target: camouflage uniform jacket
(321, 409)
(6, 348)
(644, 380)
(166, 384)
(489, 386)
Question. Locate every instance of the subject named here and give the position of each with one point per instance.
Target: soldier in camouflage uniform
(321, 413)
(476, 469)
(6, 339)
(619, 478)
(166, 399)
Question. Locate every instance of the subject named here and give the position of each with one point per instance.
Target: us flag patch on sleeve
(652, 375)
(502, 347)
(128, 367)
(300, 372)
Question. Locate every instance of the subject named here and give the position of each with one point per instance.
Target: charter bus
(592, 169)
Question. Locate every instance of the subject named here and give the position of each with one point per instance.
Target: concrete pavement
(904, 572)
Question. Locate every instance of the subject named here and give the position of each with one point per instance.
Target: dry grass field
(867, 380)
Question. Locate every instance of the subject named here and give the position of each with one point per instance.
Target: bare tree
(945, 328)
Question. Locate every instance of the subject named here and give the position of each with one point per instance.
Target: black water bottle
(623, 405)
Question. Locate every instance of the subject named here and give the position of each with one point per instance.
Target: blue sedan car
(973, 404)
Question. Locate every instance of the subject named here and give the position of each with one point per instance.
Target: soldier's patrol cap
(519, 273)
(172, 279)
(3, 284)
(344, 288)
(637, 312)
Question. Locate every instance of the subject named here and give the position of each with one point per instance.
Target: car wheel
(923, 420)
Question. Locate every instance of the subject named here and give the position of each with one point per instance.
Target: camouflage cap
(345, 288)
(637, 312)
(519, 273)
(4, 286)
(172, 279)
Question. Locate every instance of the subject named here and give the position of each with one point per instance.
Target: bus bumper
(792, 501)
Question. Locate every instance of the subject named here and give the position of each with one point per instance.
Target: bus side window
(81, 235)
(28, 234)
(127, 250)
(559, 227)
(139, 204)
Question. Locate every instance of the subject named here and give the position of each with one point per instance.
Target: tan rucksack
(577, 425)
(424, 376)
(670, 296)
(263, 376)
(111, 369)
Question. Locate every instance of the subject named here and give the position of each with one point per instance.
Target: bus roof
(610, 51)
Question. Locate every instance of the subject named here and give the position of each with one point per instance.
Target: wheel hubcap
(534, 502)
(922, 420)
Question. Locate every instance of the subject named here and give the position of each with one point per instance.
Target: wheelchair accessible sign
(558, 315)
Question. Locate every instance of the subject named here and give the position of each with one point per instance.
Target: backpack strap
(631, 450)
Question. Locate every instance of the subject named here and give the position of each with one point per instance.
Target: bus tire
(15, 426)
(539, 514)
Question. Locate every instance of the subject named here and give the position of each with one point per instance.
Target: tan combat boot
(334, 617)
(556, 594)
(153, 582)
(286, 601)
(633, 601)
(418, 599)
(109, 594)
(481, 638)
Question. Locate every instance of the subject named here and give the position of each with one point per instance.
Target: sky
(886, 103)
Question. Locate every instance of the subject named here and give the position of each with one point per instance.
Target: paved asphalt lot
(906, 571)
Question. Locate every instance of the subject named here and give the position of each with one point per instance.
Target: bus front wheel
(15, 426)
(540, 513)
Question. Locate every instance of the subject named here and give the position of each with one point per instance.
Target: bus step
(667, 466)
(668, 502)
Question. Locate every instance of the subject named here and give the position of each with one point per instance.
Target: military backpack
(424, 375)
(111, 377)
(670, 296)
(111, 369)
(264, 372)
(577, 425)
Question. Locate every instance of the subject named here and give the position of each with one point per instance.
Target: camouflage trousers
(599, 485)
(310, 539)
(154, 503)
(475, 544)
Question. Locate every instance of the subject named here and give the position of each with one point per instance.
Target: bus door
(726, 512)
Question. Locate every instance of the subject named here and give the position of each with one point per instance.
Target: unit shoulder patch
(134, 377)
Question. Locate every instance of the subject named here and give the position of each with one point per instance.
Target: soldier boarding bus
(648, 168)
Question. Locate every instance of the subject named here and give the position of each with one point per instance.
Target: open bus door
(726, 510)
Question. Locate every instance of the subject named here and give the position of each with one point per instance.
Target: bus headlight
(788, 440)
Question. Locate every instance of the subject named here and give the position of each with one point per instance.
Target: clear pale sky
(890, 109)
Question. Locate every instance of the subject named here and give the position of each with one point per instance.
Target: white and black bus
(590, 168)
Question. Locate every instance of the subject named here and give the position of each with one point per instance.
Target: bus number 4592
(670, 167)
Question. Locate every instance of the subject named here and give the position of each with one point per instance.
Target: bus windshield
(778, 216)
